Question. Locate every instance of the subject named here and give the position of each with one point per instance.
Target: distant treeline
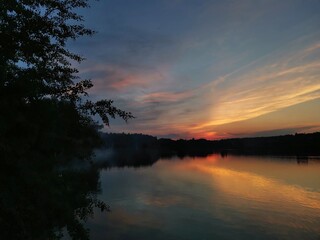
(302, 144)
(297, 144)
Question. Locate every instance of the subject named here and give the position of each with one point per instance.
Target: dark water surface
(237, 197)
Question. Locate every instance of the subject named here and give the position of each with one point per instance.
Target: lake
(236, 197)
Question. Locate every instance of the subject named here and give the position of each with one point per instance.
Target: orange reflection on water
(253, 196)
(250, 186)
(257, 197)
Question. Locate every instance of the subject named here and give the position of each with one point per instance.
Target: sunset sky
(206, 69)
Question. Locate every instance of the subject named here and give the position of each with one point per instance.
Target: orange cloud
(164, 96)
(264, 89)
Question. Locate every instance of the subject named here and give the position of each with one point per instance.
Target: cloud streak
(188, 70)
(266, 88)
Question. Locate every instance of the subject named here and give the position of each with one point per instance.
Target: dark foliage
(299, 144)
(45, 123)
(42, 200)
(137, 150)
(36, 69)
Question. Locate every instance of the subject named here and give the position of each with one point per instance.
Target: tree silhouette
(36, 71)
(44, 122)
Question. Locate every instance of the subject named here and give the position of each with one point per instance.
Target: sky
(206, 69)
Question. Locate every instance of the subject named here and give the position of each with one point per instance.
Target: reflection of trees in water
(39, 197)
(141, 150)
(129, 157)
(137, 150)
(39, 201)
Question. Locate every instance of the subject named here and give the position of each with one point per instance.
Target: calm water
(211, 198)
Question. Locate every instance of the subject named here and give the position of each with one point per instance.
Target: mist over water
(237, 197)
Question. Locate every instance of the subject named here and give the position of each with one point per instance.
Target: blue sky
(211, 69)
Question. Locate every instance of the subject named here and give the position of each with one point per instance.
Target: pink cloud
(165, 96)
(129, 81)
(112, 78)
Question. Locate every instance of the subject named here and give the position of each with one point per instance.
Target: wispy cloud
(263, 87)
(157, 97)
(188, 70)
(266, 88)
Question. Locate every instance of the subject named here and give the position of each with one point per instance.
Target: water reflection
(302, 159)
(42, 201)
(237, 188)
(222, 197)
(234, 197)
